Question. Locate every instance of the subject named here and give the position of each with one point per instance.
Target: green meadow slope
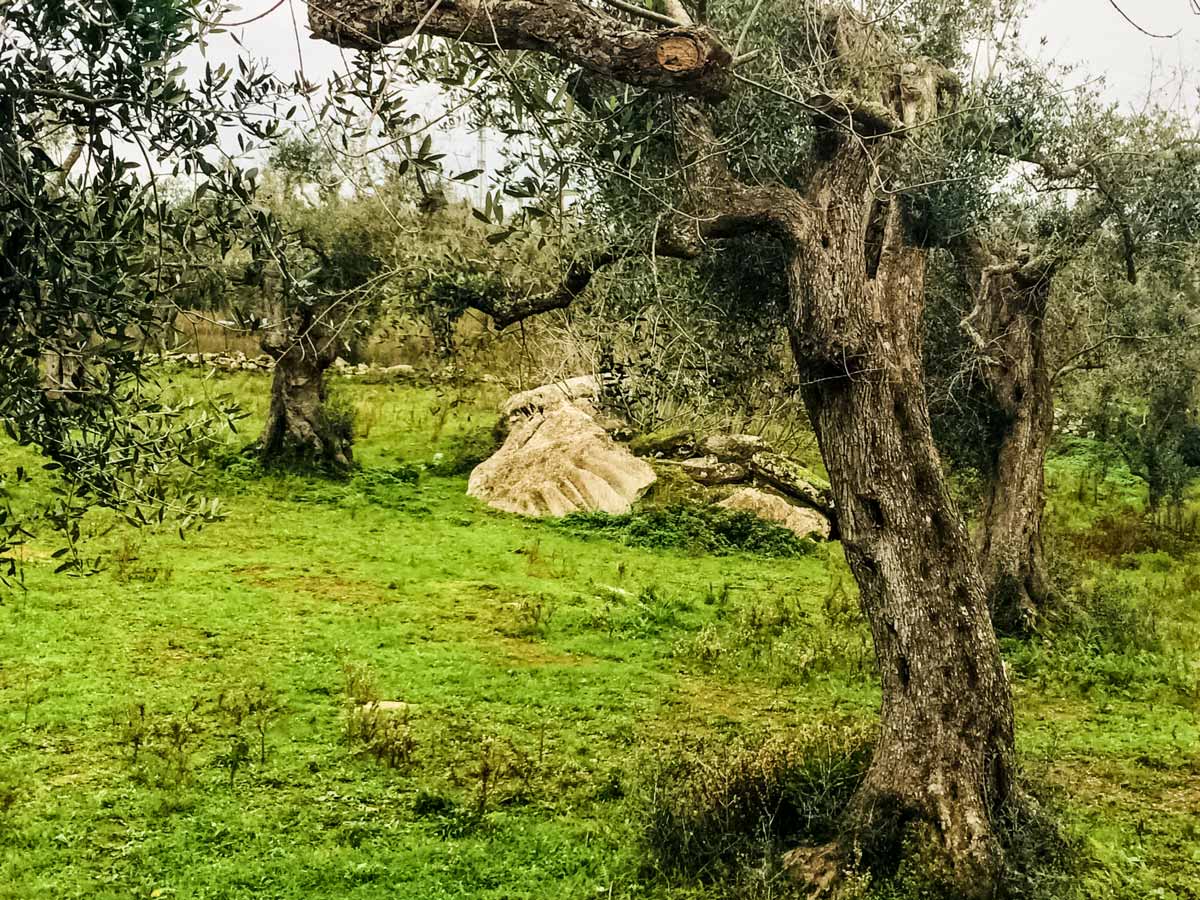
(196, 720)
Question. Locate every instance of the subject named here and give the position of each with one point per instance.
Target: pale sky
(1093, 34)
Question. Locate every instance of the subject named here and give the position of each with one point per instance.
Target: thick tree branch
(1091, 174)
(717, 204)
(688, 59)
(574, 283)
(675, 9)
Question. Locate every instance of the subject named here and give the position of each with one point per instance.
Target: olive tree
(320, 292)
(1102, 195)
(853, 260)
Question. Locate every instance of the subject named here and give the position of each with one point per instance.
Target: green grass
(544, 671)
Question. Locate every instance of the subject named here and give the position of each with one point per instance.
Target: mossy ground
(544, 671)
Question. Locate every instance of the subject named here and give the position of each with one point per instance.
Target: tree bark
(1010, 535)
(944, 765)
(1007, 327)
(300, 429)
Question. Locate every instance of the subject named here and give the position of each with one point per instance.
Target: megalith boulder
(583, 387)
(558, 458)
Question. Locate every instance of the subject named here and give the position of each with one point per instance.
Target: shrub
(724, 817)
(1042, 860)
(715, 814)
(237, 468)
(1107, 618)
(692, 527)
(463, 453)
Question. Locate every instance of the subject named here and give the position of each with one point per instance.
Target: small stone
(387, 706)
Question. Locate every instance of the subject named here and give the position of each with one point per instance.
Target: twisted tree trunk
(300, 430)
(1007, 327)
(944, 765)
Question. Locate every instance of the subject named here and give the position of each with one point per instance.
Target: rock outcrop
(789, 477)
(670, 443)
(558, 458)
(802, 520)
(737, 448)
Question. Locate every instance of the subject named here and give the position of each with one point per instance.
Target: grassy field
(196, 720)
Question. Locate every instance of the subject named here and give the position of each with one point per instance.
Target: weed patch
(692, 528)
(727, 814)
(1113, 537)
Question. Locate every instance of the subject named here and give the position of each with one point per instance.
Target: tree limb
(574, 283)
(675, 9)
(1105, 187)
(688, 59)
(717, 204)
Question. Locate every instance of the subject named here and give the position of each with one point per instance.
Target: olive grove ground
(539, 678)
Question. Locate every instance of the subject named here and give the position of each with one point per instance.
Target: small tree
(93, 107)
(1146, 402)
(322, 291)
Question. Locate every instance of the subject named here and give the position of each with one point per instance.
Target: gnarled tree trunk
(300, 429)
(1007, 327)
(944, 764)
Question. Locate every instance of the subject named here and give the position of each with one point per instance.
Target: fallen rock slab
(558, 459)
(671, 443)
(710, 471)
(802, 520)
(796, 481)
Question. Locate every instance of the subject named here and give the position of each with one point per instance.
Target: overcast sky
(1094, 34)
(1090, 33)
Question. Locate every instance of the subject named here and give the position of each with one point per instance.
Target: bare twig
(737, 48)
(1152, 34)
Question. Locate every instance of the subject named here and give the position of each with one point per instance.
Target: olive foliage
(96, 111)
